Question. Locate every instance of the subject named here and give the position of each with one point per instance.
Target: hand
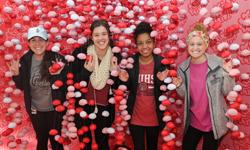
(56, 67)
(90, 64)
(123, 75)
(162, 75)
(114, 64)
(13, 66)
(177, 81)
(228, 66)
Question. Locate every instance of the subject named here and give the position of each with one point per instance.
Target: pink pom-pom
(234, 72)
(83, 102)
(213, 35)
(246, 36)
(110, 82)
(69, 58)
(81, 56)
(162, 107)
(232, 95)
(112, 100)
(116, 49)
(163, 87)
(154, 33)
(130, 60)
(157, 50)
(114, 73)
(243, 107)
(122, 87)
(129, 66)
(244, 76)
(8, 57)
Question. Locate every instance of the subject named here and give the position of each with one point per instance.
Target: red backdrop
(17, 15)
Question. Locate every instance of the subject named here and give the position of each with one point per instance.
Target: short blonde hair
(200, 31)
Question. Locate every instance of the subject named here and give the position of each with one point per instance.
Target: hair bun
(200, 27)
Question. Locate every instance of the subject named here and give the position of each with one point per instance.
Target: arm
(181, 88)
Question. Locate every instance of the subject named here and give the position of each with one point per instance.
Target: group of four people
(202, 82)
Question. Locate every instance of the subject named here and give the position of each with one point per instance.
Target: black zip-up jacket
(22, 80)
(132, 85)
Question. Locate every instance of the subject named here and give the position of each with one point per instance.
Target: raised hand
(162, 75)
(123, 75)
(114, 63)
(177, 81)
(13, 66)
(57, 67)
(90, 64)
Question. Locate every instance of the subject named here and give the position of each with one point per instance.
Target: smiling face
(197, 49)
(100, 38)
(145, 45)
(38, 45)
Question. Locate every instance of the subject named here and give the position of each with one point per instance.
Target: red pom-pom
(53, 132)
(56, 102)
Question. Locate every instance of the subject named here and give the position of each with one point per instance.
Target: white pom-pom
(244, 76)
(213, 35)
(215, 11)
(235, 62)
(92, 116)
(105, 113)
(7, 100)
(237, 88)
(232, 112)
(222, 46)
(246, 22)
(110, 130)
(203, 11)
(12, 125)
(207, 21)
(235, 7)
(167, 118)
(234, 47)
(83, 102)
(204, 2)
(162, 97)
(78, 94)
(171, 86)
(55, 48)
(168, 80)
(70, 3)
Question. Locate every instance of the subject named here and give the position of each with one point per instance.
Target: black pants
(101, 122)
(192, 137)
(42, 123)
(138, 135)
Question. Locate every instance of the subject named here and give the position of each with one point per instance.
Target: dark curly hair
(143, 27)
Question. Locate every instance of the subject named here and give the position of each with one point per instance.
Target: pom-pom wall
(68, 21)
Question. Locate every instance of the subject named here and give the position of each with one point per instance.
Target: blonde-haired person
(203, 82)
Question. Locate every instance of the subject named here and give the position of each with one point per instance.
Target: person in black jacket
(31, 74)
(143, 86)
(95, 70)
